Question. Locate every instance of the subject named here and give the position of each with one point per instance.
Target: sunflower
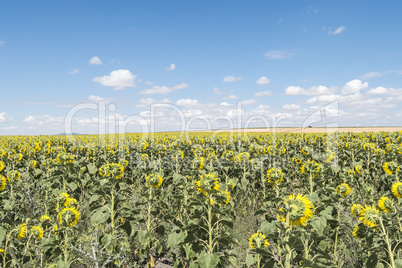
(229, 155)
(306, 150)
(343, 189)
(1, 251)
(116, 170)
(397, 189)
(299, 208)
(13, 175)
(385, 204)
(45, 220)
(355, 209)
(244, 156)
(351, 172)
(70, 216)
(275, 176)
(390, 167)
(260, 150)
(64, 197)
(37, 232)
(3, 183)
(22, 231)
(198, 163)
(380, 152)
(144, 157)
(369, 216)
(154, 181)
(2, 166)
(310, 167)
(329, 155)
(207, 184)
(360, 231)
(258, 240)
(359, 169)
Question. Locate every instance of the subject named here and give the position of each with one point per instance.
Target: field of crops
(263, 200)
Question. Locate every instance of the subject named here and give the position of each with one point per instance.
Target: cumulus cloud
(171, 67)
(293, 91)
(278, 54)
(338, 30)
(187, 102)
(145, 102)
(94, 98)
(263, 81)
(353, 87)
(377, 91)
(291, 107)
(4, 118)
(262, 94)
(163, 89)
(231, 78)
(95, 61)
(119, 79)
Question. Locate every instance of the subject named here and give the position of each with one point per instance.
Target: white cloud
(353, 87)
(278, 54)
(4, 118)
(230, 97)
(371, 75)
(163, 89)
(171, 67)
(119, 79)
(148, 101)
(231, 78)
(377, 91)
(225, 104)
(248, 102)
(187, 102)
(95, 98)
(44, 120)
(293, 91)
(75, 71)
(95, 61)
(318, 90)
(338, 30)
(291, 107)
(149, 83)
(262, 94)
(263, 81)
(323, 99)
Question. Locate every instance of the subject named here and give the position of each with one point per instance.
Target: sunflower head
(343, 189)
(390, 167)
(385, 204)
(45, 220)
(22, 231)
(69, 216)
(298, 208)
(144, 157)
(380, 152)
(258, 240)
(222, 197)
(229, 155)
(3, 183)
(37, 232)
(260, 150)
(244, 156)
(310, 167)
(154, 180)
(198, 163)
(360, 231)
(329, 155)
(306, 150)
(275, 176)
(369, 216)
(2, 166)
(13, 175)
(64, 158)
(397, 189)
(359, 169)
(355, 209)
(208, 184)
(116, 170)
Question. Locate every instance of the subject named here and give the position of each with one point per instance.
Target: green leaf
(100, 216)
(144, 237)
(72, 186)
(319, 225)
(3, 233)
(250, 260)
(372, 261)
(93, 198)
(398, 263)
(267, 228)
(207, 260)
(175, 239)
(92, 169)
(62, 264)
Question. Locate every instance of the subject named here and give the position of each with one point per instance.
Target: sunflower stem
(337, 230)
(311, 184)
(149, 226)
(210, 241)
(65, 246)
(391, 255)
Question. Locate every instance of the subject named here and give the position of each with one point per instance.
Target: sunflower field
(261, 200)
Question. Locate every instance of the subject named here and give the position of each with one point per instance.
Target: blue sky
(279, 60)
